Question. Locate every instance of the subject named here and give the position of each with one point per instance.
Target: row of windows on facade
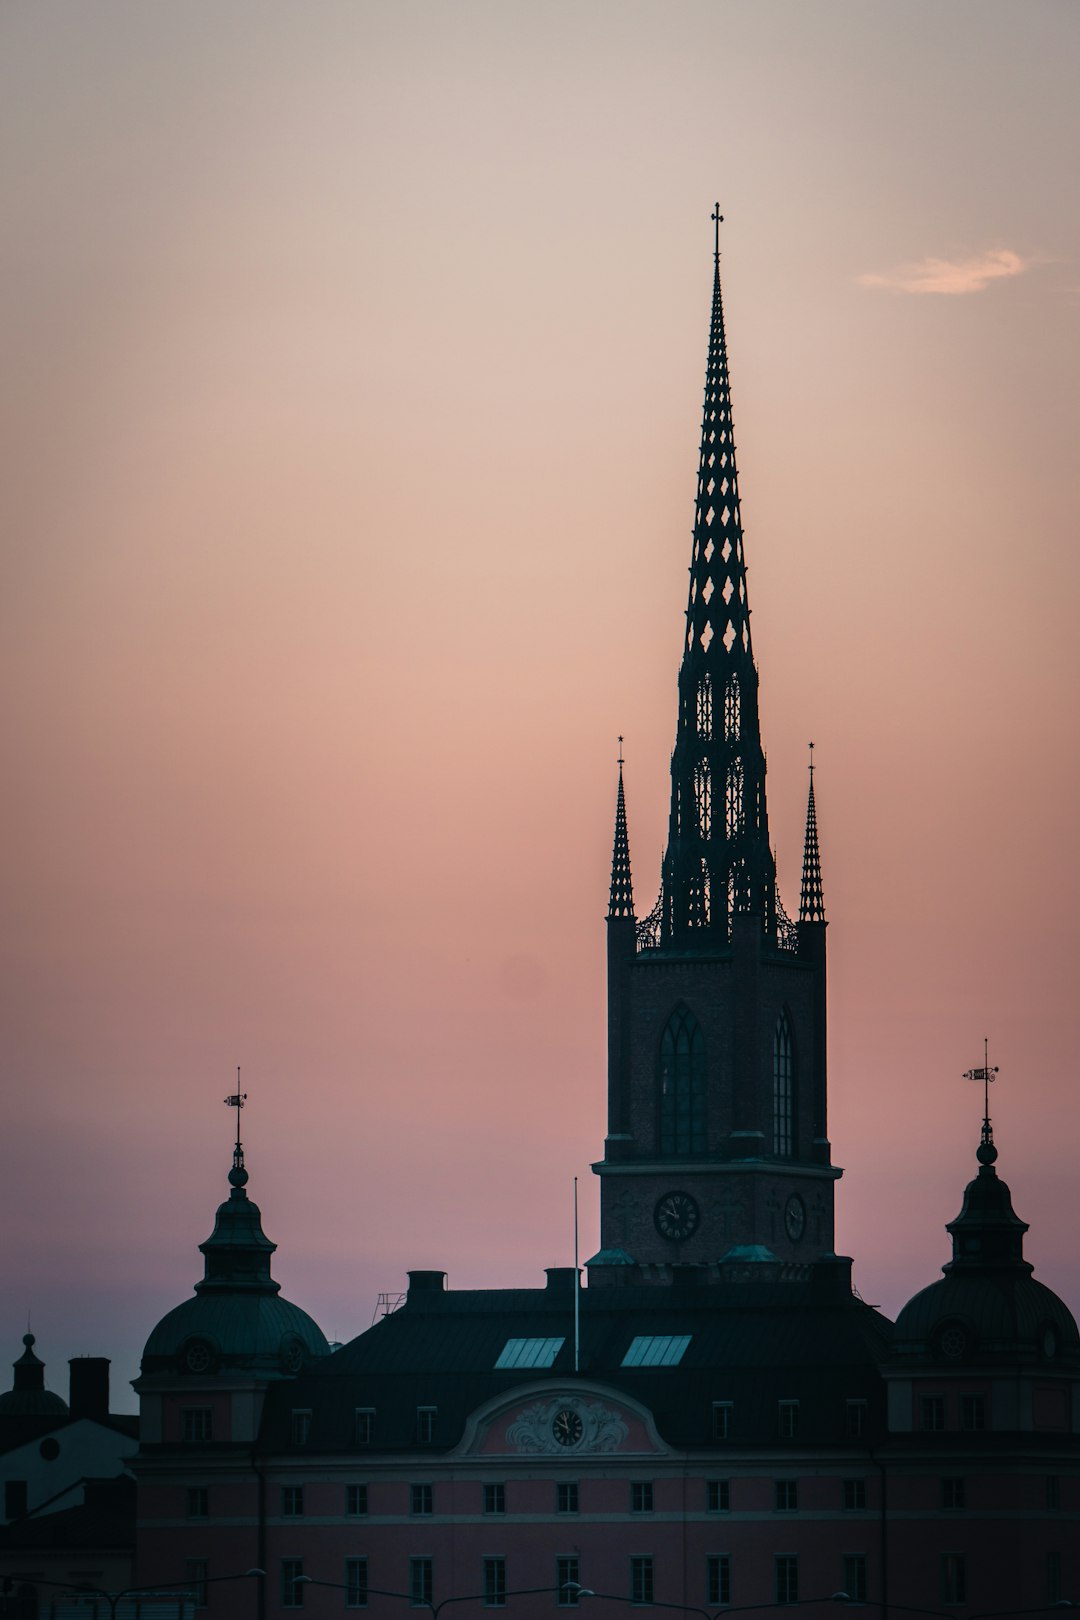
(566, 1590)
(197, 1421)
(717, 1497)
(681, 1086)
(717, 1586)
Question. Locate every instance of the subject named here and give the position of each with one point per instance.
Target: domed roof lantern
(28, 1396)
(237, 1252)
(987, 1233)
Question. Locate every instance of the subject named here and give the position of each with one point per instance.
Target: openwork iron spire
(621, 903)
(811, 897)
(718, 861)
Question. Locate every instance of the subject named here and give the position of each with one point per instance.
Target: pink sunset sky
(351, 386)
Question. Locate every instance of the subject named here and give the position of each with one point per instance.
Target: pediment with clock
(561, 1421)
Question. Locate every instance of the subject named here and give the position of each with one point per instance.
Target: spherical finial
(29, 1340)
(238, 1176)
(986, 1153)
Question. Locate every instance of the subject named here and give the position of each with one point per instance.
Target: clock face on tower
(676, 1216)
(795, 1217)
(567, 1427)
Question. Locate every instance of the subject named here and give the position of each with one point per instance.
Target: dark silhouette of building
(716, 1419)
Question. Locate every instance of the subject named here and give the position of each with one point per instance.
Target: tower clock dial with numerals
(676, 1216)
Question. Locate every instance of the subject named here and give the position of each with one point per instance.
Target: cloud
(951, 276)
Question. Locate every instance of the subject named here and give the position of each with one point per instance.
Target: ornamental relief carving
(565, 1426)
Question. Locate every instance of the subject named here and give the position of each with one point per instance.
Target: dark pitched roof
(752, 1342)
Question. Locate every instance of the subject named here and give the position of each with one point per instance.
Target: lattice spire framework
(718, 860)
(621, 902)
(812, 896)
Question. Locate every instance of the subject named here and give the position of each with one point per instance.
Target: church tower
(717, 1148)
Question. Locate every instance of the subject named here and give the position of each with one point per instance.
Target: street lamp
(113, 1599)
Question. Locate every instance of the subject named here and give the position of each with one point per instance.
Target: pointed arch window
(700, 897)
(783, 1089)
(681, 1085)
(704, 707)
(734, 799)
(703, 797)
(732, 709)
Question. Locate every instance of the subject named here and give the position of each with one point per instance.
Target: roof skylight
(656, 1350)
(529, 1352)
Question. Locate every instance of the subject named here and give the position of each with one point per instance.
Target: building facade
(716, 1420)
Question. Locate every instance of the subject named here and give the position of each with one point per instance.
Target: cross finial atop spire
(237, 1099)
(812, 895)
(718, 219)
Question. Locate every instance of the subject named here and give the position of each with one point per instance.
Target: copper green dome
(237, 1320)
(28, 1396)
(987, 1305)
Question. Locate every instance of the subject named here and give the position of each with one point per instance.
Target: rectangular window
(494, 1498)
(787, 1495)
(787, 1578)
(197, 1423)
(292, 1587)
(195, 1578)
(641, 1496)
(718, 1496)
(854, 1495)
(788, 1417)
(855, 1413)
(425, 1424)
(953, 1581)
(722, 1412)
(355, 1501)
(718, 1578)
(292, 1501)
(299, 1427)
(420, 1581)
(933, 1411)
(568, 1582)
(1053, 1577)
(855, 1576)
(494, 1583)
(972, 1412)
(566, 1496)
(952, 1493)
(356, 1588)
(641, 1580)
(1053, 1494)
(420, 1499)
(363, 1425)
(198, 1502)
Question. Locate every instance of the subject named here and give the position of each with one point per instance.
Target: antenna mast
(577, 1284)
(236, 1100)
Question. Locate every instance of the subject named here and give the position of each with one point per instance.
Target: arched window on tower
(703, 797)
(704, 707)
(734, 799)
(732, 708)
(783, 1069)
(681, 1085)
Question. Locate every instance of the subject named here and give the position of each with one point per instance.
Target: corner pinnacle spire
(811, 897)
(718, 860)
(621, 902)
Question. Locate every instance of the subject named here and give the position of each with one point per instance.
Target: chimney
(90, 1387)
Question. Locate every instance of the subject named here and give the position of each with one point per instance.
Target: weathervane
(986, 1074)
(237, 1100)
(718, 219)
